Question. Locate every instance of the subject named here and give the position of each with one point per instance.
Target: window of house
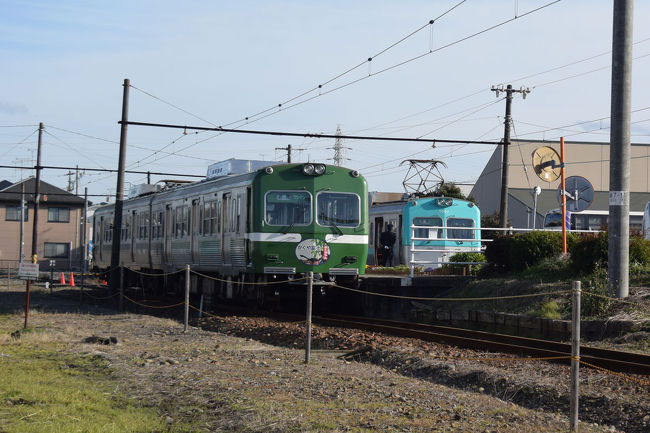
(58, 215)
(13, 213)
(57, 250)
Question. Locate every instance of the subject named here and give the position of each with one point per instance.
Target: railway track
(623, 362)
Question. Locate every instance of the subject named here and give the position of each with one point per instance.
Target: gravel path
(248, 374)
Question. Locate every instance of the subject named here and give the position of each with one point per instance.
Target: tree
(449, 189)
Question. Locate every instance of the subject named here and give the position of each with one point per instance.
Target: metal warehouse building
(587, 159)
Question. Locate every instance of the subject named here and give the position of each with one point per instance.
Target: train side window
(371, 239)
(238, 223)
(217, 217)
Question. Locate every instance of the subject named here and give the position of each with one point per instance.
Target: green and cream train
(272, 223)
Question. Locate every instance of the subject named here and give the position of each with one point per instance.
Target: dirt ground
(225, 383)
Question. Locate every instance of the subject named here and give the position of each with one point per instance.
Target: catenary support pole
(186, 315)
(619, 150)
(37, 198)
(575, 356)
(84, 243)
(119, 189)
(310, 286)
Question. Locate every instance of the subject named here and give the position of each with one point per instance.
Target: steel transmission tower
(338, 148)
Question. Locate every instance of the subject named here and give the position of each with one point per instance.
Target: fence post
(575, 355)
(121, 288)
(187, 298)
(310, 286)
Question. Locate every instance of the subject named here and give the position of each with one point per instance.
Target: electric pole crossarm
(503, 210)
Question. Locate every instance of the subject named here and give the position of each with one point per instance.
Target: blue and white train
(429, 230)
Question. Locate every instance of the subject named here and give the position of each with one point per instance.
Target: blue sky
(214, 63)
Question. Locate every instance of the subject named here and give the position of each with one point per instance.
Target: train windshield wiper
(336, 227)
(289, 227)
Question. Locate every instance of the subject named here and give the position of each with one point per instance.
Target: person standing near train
(387, 241)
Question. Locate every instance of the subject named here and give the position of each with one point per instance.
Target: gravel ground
(248, 374)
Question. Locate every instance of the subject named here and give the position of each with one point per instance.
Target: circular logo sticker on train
(313, 251)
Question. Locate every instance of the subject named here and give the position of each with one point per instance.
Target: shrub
(588, 252)
(595, 284)
(639, 250)
(466, 257)
(550, 310)
(521, 251)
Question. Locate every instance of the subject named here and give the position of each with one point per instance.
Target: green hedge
(520, 251)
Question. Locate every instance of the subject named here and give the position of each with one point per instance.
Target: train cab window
(338, 209)
(287, 208)
(460, 233)
(426, 232)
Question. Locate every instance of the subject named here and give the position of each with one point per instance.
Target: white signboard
(28, 271)
(616, 198)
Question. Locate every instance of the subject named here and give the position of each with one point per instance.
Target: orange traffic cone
(71, 279)
(62, 278)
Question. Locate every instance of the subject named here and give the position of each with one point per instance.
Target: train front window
(287, 208)
(553, 220)
(428, 233)
(338, 209)
(460, 233)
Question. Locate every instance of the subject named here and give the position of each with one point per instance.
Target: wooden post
(187, 297)
(310, 286)
(575, 356)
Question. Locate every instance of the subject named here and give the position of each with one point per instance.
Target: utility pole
(503, 212)
(22, 223)
(619, 150)
(119, 189)
(37, 192)
(338, 148)
(288, 149)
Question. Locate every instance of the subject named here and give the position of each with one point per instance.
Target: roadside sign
(28, 271)
(579, 193)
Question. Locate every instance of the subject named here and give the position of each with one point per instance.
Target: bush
(639, 250)
(588, 252)
(521, 251)
(550, 310)
(466, 257)
(596, 284)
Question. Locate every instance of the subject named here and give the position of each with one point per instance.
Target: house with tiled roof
(59, 225)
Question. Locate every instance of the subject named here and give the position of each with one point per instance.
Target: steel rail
(614, 360)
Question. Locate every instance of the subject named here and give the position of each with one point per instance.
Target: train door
(227, 227)
(134, 233)
(98, 234)
(168, 227)
(379, 228)
(249, 218)
(195, 224)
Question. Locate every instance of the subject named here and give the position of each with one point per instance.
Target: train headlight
(444, 202)
(354, 173)
(319, 169)
(308, 169)
(269, 170)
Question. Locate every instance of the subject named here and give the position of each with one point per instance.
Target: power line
(56, 167)
(302, 134)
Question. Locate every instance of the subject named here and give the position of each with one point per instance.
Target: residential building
(59, 226)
